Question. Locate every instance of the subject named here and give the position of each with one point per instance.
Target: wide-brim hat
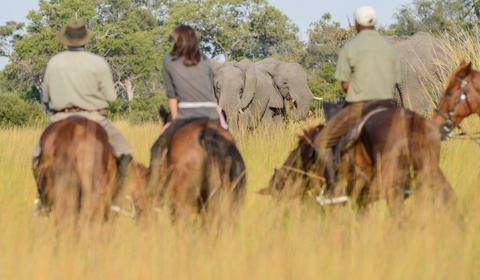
(75, 34)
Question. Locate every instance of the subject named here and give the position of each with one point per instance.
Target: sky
(301, 12)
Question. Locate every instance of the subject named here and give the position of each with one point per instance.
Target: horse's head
(295, 168)
(164, 114)
(460, 100)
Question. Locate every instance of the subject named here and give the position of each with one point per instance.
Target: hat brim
(74, 42)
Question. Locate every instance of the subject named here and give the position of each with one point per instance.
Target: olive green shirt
(370, 64)
(77, 78)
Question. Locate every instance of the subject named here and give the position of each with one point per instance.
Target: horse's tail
(224, 169)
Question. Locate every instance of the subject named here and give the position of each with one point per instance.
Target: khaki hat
(75, 34)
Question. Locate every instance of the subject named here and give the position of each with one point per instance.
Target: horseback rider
(79, 83)
(188, 81)
(368, 70)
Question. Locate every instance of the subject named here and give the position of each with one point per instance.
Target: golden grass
(268, 243)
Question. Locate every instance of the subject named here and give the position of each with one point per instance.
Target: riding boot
(124, 163)
(328, 160)
(40, 205)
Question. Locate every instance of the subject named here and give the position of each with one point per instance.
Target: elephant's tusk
(318, 98)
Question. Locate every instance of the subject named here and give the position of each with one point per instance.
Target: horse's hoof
(39, 209)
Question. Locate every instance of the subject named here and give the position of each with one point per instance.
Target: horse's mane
(309, 135)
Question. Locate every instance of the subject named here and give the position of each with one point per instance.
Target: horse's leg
(184, 189)
(390, 180)
(435, 187)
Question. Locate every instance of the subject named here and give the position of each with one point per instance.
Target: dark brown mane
(309, 135)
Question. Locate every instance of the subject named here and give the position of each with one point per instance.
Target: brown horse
(199, 171)
(77, 175)
(397, 152)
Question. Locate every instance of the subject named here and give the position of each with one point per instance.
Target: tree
(125, 33)
(239, 29)
(436, 16)
(325, 38)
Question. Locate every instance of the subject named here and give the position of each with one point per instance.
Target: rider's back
(78, 79)
(369, 62)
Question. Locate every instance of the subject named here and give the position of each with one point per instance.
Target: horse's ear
(463, 70)
(164, 114)
(265, 191)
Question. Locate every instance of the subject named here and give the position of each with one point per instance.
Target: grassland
(268, 243)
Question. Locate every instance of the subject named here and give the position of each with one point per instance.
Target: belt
(196, 105)
(102, 112)
(69, 110)
(192, 105)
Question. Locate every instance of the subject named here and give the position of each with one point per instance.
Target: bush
(323, 84)
(117, 109)
(144, 110)
(14, 111)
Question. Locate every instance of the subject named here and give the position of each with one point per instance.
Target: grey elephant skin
(246, 94)
(422, 62)
(290, 79)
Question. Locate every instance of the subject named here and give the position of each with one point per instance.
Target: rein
(449, 125)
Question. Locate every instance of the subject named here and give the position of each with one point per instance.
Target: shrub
(323, 83)
(14, 111)
(117, 109)
(144, 110)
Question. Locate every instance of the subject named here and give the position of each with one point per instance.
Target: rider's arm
(343, 72)
(170, 88)
(46, 88)
(173, 106)
(106, 85)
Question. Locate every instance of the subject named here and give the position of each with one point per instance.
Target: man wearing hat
(368, 70)
(80, 83)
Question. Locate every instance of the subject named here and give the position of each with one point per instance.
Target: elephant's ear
(215, 65)
(250, 79)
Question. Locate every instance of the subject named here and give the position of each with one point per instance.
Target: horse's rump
(201, 163)
(77, 168)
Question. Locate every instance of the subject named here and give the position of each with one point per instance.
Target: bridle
(448, 125)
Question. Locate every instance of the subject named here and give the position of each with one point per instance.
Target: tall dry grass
(270, 242)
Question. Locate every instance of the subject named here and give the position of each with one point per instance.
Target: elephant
(422, 60)
(291, 81)
(246, 94)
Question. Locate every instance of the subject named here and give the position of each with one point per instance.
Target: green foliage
(144, 110)
(14, 111)
(325, 38)
(436, 16)
(323, 83)
(239, 29)
(117, 109)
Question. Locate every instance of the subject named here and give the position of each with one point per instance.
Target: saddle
(352, 137)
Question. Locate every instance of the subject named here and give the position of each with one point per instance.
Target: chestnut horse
(77, 175)
(200, 171)
(397, 152)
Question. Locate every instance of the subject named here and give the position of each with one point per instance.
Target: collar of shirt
(76, 49)
(368, 32)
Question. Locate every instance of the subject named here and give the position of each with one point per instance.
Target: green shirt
(77, 78)
(370, 64)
